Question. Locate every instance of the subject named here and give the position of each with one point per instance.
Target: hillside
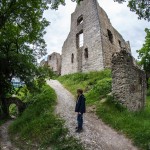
(39, 127)
(97, 86)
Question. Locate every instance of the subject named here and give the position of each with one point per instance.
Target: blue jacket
(80, 104)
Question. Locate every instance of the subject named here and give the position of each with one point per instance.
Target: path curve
(5, 143)
(96, 135)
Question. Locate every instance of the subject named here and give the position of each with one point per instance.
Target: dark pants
(80, 121)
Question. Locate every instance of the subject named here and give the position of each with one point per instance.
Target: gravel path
(96, 134)
(5, 143)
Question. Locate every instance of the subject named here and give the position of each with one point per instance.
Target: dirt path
(96, 135)
(5, 143)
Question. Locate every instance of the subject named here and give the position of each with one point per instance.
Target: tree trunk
(5, 111)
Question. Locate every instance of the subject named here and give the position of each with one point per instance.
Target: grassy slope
(38, 125)
(97, 85)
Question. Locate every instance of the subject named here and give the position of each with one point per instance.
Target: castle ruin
(90, 45)
(54, 62)
(92, 40)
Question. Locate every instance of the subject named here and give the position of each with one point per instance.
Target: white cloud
(125, 21)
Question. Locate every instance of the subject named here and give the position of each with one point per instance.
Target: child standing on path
(80, 108)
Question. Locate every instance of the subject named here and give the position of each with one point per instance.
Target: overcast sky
(125, 21)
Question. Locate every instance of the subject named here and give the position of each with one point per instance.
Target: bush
(13, 110)
(103, 87)
(148, 92)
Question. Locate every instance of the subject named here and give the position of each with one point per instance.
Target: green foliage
(13, 110)
(95, 84)
(103, 86)
(144, 53)
(42, 73)
(110, 100)
(140, 7)
(2, 122)
(148, 92)
(38, 125)
(22, 28)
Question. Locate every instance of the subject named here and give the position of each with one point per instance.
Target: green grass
(135, 125)
(97, 85)
(2, 122)
(148, 92)
(39, 127)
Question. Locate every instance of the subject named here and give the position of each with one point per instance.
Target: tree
(140, 7)
(144, 54)
(21, 42)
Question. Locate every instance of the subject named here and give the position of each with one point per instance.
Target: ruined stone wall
(129, 82)
(54, 62)
(101, 40)
(68, 49)
(110, 47)
(92, 41)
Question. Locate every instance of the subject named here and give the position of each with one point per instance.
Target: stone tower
(54, 62)
(91, 41)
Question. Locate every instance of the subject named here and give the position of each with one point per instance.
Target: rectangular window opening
(110, 36)
(119, 43)
(80, 39)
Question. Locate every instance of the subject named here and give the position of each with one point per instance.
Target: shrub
(13, 110)
(103, 87)
(148, 92)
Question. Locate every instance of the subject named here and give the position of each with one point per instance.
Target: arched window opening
(13, 111)
(86, 54)
(110, 36)
(80, 20)
(72, 58)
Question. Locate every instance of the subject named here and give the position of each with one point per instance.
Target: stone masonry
(92, 40)
(54, 62)
(129, 81)
(43, 62)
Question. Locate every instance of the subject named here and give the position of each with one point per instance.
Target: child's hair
(80, 91)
